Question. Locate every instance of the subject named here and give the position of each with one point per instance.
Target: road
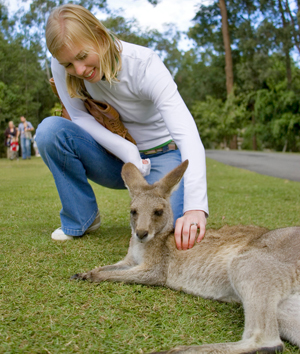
(281, 165)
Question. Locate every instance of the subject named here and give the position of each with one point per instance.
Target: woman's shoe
(59, 235)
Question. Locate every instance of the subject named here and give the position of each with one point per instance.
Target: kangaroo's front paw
(92, 276)
(80, 276)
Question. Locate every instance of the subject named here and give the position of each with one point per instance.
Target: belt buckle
(172, 146)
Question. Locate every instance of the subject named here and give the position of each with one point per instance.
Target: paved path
(280, 165)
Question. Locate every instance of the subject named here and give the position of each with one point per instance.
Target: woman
(137, 84)
(10, 133)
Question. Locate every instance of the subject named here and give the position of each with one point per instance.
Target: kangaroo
(247, 264)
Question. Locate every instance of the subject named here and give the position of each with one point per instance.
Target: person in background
(10, 132)
(133, 80)
(14, 149)
(36, 150)
(25, 129)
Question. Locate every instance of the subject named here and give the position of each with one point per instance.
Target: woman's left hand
(186, 229)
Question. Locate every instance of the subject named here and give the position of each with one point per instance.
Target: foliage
(265, 46)
(165, 44)
(24, 89)
(219, 121)
(273, 117)
(38, 14)
(263, 35)
(42, 311)
(200, 75)
(24, 65)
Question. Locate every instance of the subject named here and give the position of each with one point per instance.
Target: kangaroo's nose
(141, 234)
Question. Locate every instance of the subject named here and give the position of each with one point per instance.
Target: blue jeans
(73, 157)
(26, 147)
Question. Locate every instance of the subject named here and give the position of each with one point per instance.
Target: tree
(200, 75)
(262, 34)
(227, 47)
(165, 44)
(24, 89)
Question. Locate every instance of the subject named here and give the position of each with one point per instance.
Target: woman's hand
(146, 167)
(186, 229)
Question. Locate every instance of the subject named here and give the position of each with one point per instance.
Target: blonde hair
(72, 24)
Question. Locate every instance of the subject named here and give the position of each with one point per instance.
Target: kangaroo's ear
(132, 178)
(169, 183)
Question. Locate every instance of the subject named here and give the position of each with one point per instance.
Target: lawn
(42, 311)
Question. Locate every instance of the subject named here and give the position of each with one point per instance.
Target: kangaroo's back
(285, 242)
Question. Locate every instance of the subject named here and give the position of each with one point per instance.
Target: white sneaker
(59, 235)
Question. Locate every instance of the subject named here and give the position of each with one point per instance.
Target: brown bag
(104, 114)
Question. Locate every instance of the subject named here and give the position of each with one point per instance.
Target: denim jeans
(73, 157)
(26, 147)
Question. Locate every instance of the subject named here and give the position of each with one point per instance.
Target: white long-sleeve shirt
(152, 110)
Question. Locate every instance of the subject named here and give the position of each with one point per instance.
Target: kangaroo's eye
(133, 212)
(158, 212)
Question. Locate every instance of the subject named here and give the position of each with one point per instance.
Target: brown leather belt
(170, 146)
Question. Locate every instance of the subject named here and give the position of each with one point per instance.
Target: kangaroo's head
(151, 211)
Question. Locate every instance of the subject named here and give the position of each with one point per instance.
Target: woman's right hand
(146, 167)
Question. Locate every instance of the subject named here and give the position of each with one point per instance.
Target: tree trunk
(234, 143)
(226, 40)
(294, 25)
(47, 68)
(286, 46)
(228, 59)
(285, 146)
(254, 141)
(298, 12)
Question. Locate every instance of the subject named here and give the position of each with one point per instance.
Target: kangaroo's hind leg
(261, 282)
(289, 319)
(257, 280)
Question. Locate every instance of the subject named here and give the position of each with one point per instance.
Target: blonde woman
(131, 78)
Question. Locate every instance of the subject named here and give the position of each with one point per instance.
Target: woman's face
(81, 62)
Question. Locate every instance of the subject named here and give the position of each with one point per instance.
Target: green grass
(42, 311)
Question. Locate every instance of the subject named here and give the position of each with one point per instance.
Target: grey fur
(247, 264)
